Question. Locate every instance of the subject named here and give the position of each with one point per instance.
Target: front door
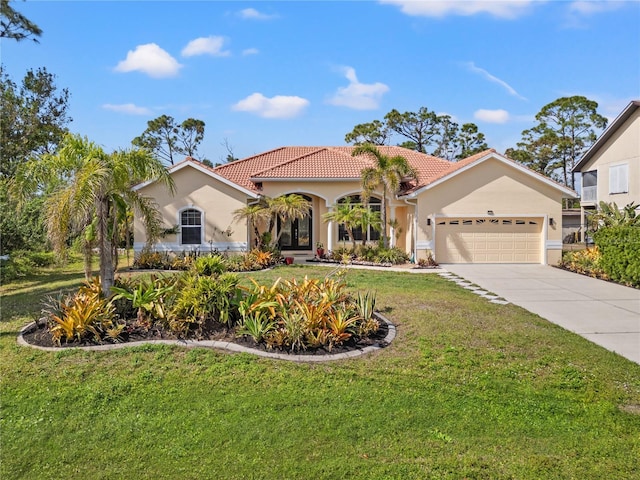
(296, 234)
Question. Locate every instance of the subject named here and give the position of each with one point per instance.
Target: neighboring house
(485, 208)
(610, 169)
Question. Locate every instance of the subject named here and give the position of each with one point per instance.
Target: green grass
(468, 389)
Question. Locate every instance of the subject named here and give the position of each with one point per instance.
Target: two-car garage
(489, 240)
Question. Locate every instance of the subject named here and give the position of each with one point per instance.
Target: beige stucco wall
(214, 198)
(324, 195)
(622, 147)
(496, 186)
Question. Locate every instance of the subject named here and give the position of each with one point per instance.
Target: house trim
(607, 134)
(566, 191)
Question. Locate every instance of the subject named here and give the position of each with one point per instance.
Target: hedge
(620, 248)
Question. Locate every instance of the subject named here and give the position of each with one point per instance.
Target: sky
(263, 74)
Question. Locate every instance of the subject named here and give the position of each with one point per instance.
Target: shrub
(24, 262)
(149, 297)
(209, 265)
(151, 260)
(620, 253)
(202, 300)
(586, 262)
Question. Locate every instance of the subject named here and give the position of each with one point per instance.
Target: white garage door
(489, 240)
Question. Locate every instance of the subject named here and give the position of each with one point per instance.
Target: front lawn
(468, 389)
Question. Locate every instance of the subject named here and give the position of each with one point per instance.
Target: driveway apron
(603, 312)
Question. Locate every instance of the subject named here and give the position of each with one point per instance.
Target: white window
(619, 178)
(191, 226)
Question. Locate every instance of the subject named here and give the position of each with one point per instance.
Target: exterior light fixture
(489, 212)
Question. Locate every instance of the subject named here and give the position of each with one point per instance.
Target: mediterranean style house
(610, 169)
(483, 209)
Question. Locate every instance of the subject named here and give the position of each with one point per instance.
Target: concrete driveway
(605, 313)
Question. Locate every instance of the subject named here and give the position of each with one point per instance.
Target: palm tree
(366, 218)
(254, 214)
(386, 173)
(89, 187)
(344, 213)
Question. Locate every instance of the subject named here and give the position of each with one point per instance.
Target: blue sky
(267, 74)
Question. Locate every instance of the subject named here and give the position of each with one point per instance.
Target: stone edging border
(229, 346)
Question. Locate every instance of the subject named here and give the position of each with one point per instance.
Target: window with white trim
(371, 234)
(191, 227)
(619, 178)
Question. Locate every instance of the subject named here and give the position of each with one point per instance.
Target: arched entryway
(297, 234)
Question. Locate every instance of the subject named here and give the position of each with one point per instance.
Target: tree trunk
(106, 254)
(88, 260)
(385, 238)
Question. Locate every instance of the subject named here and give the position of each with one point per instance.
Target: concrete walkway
(602, 312)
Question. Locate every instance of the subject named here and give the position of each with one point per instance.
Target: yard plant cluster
(468, 389)
(288, 315)
(616, 254)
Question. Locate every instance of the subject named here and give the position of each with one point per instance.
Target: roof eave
(607, 134)
(202, 168)
(567, 192)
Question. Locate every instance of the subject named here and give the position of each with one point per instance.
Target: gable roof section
(193, 163)
(477, 159)
(607, 134)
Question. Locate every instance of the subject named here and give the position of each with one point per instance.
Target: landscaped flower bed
(209, 303)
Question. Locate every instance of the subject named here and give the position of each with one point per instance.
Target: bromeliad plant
(296, 315)
(149, 297)
(81, 315)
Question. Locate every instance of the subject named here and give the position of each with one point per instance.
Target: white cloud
(507, 9)
(356, 95)
(206, 46)
(491, 116)
(280, 106)
(250, 51)
(471, 66)
(253, 14)
(150, 59)
(592, 7)
(128, 108)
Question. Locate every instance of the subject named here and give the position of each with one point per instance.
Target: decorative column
(392, 231)
(329, 236)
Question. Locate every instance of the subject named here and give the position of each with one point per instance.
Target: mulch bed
(39, 335)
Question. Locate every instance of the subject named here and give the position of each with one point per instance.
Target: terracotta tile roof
(291, 163)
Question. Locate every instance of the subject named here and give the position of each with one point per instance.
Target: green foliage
(566, 129)
(469, 389)
(201, 300)
(23, 262)
(15, 25)
(365, 304)
(209, 265)
(609, 215)
(424, 131)
(149, 296)
(620, 247)
(255, 324)
(166, 139)
(387, 173)
(34, 117)
(21, 228)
